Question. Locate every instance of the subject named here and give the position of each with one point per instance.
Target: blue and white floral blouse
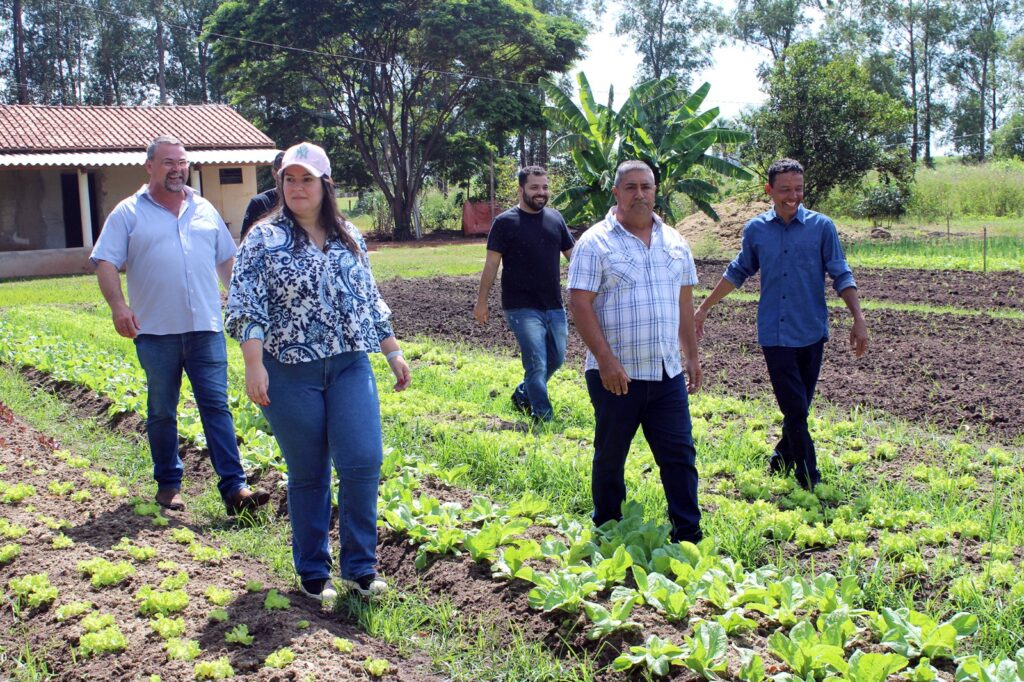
(307, 305)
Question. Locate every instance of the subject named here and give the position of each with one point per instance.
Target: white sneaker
(319, 589)
(369, 585)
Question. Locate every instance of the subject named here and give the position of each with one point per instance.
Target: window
(230, 176)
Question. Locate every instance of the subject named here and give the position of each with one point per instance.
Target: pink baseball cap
(309, 156)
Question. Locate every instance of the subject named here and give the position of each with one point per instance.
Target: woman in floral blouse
(305, 308)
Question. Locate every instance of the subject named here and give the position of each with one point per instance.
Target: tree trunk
(20, 76)
(521, 143)
(912, 67)
(161, 81)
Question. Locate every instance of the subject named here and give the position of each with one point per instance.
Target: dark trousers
(794, 374)
(663, 410)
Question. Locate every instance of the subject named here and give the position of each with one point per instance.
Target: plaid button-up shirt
(637, 289)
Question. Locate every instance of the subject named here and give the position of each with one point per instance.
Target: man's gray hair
(630, 166)
(157, 141)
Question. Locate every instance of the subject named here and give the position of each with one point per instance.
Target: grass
(995, 253)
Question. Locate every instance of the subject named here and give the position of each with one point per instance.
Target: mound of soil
(726, 234)
(954, 371)
(96, 526)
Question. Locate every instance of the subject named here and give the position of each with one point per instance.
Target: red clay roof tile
(37, 128)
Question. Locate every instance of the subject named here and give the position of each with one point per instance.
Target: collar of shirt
(144, 192)
(799, 217)
(614, 224)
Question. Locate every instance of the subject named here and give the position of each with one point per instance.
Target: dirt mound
(699, 229)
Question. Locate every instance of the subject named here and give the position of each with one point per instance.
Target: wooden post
(492, 207)
(984, 249)
(948, 214)
(85, 207)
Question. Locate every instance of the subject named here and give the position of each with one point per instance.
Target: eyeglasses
(171, 163)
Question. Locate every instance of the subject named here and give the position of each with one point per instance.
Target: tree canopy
(823, 112)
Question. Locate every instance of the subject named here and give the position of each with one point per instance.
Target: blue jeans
(663, 409)
(203, 356)
(541, 335)
(324, 413)
(794, 375)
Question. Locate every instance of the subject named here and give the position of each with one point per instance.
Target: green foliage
(164, 602)
(218, 596)
(107, 640)
(882, 203)
(167, 627)
(1008, 139)
(276, 602)
(104, 573)
(280, 658)
(912, 634)
(11, 531)
(179, 649)
(376, 667)
(96, 621)
(219, 669)
(13, 494)
(659, 124)
(73, 610)
(33, 590)
(656, 656)
(805, 652)
(343, 645)
(8, 552)
(823, 111)
(239, 635)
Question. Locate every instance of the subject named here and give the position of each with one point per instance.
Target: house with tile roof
(64, 168)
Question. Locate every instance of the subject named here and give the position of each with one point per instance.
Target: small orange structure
(477, 217)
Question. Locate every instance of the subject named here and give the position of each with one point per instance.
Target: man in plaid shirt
(630, 281)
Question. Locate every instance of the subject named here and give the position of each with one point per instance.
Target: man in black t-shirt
(530, 237)
(263, 203)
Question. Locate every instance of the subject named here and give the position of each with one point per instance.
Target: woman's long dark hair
(330, 217)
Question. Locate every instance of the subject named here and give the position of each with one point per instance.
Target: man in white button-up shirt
(630, 280)
(174, 247)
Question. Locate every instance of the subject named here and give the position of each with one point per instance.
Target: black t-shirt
(259, 206)
(531, 245)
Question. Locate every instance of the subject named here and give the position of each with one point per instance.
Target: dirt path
(949, 370)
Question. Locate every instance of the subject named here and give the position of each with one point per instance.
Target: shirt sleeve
(379, 310)
(567, 241)
(112, 243)
(496, 236)
(225, 242)
(252, 211)
(585, 267)
(835, 260)
(247, 316)
(745, 264)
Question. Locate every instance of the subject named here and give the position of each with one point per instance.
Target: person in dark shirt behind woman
(263, 203)
(793, 248)
(528, 241)
(305, 308)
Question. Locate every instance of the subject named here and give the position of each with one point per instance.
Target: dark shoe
(778, 465)
(521, 403)
(695, 538)
(244, 500)
(369, 585)
(319, 589)
(170, 498)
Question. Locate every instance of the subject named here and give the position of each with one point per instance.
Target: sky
(612, 61)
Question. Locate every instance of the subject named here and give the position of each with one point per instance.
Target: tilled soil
(952, 371)
(95, 527)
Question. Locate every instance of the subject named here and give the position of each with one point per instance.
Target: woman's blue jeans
(324, 413)
(203, 356)
(541, 335)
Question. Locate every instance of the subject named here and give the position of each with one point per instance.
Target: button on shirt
(637, 287)
(171, 261)
(305, 304)
(793, 260)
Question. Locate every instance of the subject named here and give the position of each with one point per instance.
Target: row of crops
(942, 522)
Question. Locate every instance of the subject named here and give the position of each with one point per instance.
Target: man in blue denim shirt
(793, 248)
(528, 241)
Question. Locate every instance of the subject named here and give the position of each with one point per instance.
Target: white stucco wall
(31, 210)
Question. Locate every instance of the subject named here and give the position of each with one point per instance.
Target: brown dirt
(96, 525)
(953, 371)
(727, 232)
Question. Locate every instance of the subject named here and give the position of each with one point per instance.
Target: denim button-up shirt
(793, 260)
(171, 261)
(637, 286)
(305, 305)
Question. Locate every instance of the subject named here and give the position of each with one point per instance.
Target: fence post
(984, 257)
(947, 224)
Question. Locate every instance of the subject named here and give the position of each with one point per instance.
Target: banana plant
(659, 124)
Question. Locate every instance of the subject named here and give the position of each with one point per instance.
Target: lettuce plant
(656, 656)
(218, 669)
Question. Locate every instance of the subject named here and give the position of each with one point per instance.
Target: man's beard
(536, 202)
(174, 184)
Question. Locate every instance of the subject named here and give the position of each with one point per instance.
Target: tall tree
(673, 37)
(123, 55)
(823, 111)
(17, 34)
(980, 41)
(189, 64)
(55, 37)
(772, 25)
(397, 75)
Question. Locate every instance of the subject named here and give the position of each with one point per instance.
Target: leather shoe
(170, 498)
(244, 500)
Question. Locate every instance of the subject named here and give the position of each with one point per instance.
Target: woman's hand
(256, 383)
(403, 375)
